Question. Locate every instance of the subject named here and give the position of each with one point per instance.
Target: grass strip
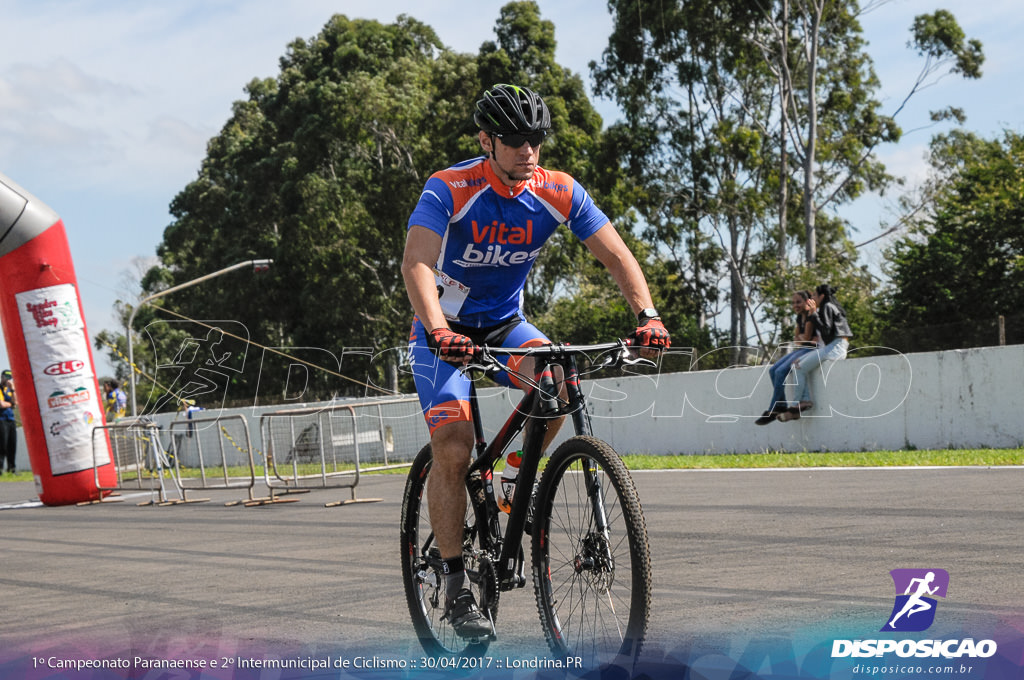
(768, 459)
(780, 459)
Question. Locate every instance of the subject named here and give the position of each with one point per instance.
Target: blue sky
(106, 105)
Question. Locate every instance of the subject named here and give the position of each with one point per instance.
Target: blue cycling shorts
(443, 390)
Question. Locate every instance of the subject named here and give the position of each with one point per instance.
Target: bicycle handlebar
(553, 349)
(484, 355)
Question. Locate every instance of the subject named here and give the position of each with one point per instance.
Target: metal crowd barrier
(330, 447)
(229, 466)
(140, 461)
(306, 448)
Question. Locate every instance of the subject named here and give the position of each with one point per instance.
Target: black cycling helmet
(505, 109)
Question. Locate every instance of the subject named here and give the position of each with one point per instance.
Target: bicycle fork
(582, 426)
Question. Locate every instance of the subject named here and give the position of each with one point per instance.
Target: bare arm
(805, 331)
(611, 251)
(422, 248)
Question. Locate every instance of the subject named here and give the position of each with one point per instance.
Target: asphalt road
(737, 555)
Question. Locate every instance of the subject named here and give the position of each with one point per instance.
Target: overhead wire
(273, 350)
(253, 343)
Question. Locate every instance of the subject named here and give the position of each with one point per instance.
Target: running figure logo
(914, 609)
(204, 363)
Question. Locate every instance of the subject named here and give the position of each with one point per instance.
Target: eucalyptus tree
(695, 94)
(829, 115)
(756, 121)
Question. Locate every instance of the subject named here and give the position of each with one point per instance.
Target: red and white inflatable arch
(58, 396)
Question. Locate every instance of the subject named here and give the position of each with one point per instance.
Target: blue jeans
(778, 373)
(833, 351)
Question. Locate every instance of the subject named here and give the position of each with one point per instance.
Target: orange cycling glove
(651, 333)
(449, 345)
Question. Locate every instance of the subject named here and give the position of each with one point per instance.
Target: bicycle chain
(487, 572)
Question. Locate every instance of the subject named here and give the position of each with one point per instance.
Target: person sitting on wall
(829, 319)
(803, 342)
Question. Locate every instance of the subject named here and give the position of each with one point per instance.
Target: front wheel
(422, 572)
(591, 559)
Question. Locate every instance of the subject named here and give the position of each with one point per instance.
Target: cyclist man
(472, 239)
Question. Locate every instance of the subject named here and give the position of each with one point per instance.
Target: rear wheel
(422, 574)
(591, 559)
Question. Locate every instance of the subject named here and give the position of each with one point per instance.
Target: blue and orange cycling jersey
(492, 233)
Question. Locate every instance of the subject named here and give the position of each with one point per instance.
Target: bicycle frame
(540, 404)
(590, 555)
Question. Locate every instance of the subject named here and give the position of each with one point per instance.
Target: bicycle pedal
(513, 581)
(477, 640)
(490, 637)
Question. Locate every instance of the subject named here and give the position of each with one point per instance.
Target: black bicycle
(590, 557)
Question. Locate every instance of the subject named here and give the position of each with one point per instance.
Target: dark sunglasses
(517, 139)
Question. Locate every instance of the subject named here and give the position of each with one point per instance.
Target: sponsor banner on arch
(58, 353)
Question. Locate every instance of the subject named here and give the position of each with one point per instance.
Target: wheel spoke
(593, 602)
(421, 569)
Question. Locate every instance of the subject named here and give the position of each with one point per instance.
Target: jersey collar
(500, 187)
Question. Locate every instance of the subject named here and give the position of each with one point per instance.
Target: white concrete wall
(956, 399)
(970, 398)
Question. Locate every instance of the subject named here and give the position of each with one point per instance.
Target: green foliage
(962, 261)
(319, 168)
(939, 38)
(716, 94)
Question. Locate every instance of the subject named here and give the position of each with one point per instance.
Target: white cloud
(12, 98)
(50, 115)
(908, 162)
(62, 82)
(174, 134)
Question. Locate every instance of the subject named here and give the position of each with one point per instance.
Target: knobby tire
(593, 587)
(421, 569)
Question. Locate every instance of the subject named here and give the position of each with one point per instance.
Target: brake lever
(638, 361)
(482, 361)
(627, 358)
(487, 368)
(624, 357)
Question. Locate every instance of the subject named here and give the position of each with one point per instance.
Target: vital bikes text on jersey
(492, 233)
